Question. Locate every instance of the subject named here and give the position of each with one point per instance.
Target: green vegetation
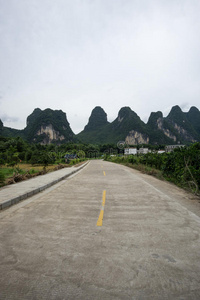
(2, 177)
(1, 127)
(182, 166)
(51, 126)
(55, 118)
(177, 127)
(99, 130)
(18, 157)
(184, 121)
(42, 119)
(16, 150)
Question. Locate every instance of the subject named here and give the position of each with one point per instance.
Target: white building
(128, 151)
(170, 148)
(143, 151)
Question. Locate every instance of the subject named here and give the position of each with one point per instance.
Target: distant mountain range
(51, 126)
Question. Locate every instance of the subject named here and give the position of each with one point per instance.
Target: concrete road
(108, 232)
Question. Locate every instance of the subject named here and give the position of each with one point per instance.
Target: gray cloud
(74, 55)
(6, 118)
(185, 106)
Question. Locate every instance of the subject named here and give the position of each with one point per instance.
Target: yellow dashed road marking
(100, 220)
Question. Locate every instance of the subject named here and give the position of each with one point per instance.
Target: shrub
(2, 178)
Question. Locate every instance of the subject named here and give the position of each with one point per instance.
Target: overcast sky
(76, 54)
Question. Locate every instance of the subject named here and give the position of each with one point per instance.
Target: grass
(189, 186)
(140, 167)
(146, 170)
(22, 168)
(36, 168)
(7, 173)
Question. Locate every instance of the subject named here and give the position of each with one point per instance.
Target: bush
(74, 161)
(2, 178)
(181, 166)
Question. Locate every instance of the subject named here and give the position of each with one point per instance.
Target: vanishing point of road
(108, 232)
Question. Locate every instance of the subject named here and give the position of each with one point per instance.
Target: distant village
(134, 151)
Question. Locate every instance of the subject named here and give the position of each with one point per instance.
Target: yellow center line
(104, 198)
(104, 173)
(100, 219)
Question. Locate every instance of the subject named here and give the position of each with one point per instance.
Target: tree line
(15, 150)
(181, 166)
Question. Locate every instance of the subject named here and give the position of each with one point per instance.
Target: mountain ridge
(51, 126)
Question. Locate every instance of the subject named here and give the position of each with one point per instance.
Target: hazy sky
(76, 54)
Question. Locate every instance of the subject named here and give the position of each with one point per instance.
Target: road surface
(108, 232)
